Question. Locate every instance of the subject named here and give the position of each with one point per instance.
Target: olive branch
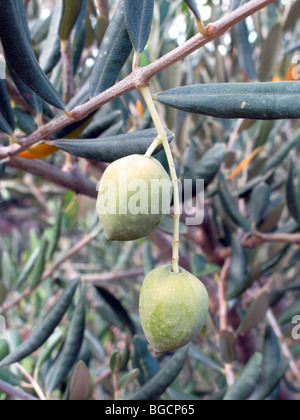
(139, 77)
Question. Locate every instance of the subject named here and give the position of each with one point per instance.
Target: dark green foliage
(163, 379)
(117, 42)
(20, 55)
(139, 14)
(111, 148)
(258, 101)
(70, 351)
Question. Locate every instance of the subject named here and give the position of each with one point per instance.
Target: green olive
(173, 308)
(132, 197)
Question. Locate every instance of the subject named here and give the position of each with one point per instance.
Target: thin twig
(140, 77)
(107, 277)
(165, 248)
(73, 181)
(259, 238)
(37, 194)
(16, 393)
(283, 344)
(162, 137)
(34, 384)
(222, 280)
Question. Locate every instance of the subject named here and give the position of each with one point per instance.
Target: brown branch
(222, 282)
(284, 346)
(165, 247)
(260, 238)
(73, 181)
(16, 393)
(141, 76)
(107, 277)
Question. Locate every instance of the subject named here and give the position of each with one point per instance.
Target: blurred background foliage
(50, 235)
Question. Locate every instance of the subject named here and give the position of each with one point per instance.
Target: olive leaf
(139, 15)
(109, 149)
(247, 381)
(259, 101)
(154, 388)
(117, 42)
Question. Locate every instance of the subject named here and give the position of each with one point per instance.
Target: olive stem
(34, 384)
(136, 59)
(162, 137)
(153, 147)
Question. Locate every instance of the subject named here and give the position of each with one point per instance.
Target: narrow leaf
(270, 53)
(194, 8)
(210, 163)
(259, 101)
(113, 53)
(245, 50)
(283, 152)
(163, 379)
(230, 205)
(27, 268)
(292, 199)
(50, 53)
(118, 308)
(197, 354)
(71, 10)
(246, 282)
(269, 384)
(109, 149)
(40, 264)
(128, 378)
(292, 16)
(100, 123)
(71, 349)
(5, 109)
(55, 233)
(272, 219)
(271, 359)
(255, 314)
(271, 353)
(139, 14)
(144, 361)
(259, 203)
(247, 381)
(289, 313)
(227, 342)
(238, 266)
(113, 361)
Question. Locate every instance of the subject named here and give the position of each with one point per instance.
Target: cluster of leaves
(242, 139)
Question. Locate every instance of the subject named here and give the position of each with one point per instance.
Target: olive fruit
(173, 308)
(134, 196)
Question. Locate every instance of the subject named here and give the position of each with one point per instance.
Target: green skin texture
(173, 308)
(129, 227)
